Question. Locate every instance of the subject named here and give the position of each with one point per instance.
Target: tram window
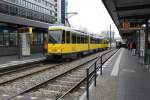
(68, 37)
(85, 39)
(55, 36)
(100, 41)
(88, 39)
(106, 42)
(103, 42)
(63, 37)
(92, 40)
(78, 39)
(73, 38)
(97, 41)
(82, 38)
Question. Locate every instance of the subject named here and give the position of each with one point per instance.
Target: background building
(110, 36)
(61, 6)
(107, 35)
(15, 14)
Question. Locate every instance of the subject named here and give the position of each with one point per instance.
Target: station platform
(124, 78)
(10, 61)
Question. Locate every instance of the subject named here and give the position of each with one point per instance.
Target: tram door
(25, 41)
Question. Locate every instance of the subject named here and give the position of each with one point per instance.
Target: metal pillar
(43, 50)
(146, 42)
(19, 46)
(139, 42)
(87, 84)
(110, 35)
(95, 74)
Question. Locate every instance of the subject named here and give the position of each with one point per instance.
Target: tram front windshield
(55, 37)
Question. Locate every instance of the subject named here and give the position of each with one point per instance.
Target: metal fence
(91, 71)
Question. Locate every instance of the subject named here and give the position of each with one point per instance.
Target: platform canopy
(128, 15)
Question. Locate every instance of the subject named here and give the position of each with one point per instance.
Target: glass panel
(13, 39)
(82, 38)
(55, 36)
(35, 38)
(68, 37)
(6, 39)
(86, 39)
(1, 39)
(73, 38)
(78, 39)
(63, 37)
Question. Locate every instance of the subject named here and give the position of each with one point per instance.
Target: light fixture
(144, 25)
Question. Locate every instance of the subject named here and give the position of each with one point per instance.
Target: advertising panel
(25, 44)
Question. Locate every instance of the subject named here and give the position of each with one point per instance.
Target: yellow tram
(64, 41)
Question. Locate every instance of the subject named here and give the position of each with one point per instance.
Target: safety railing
(91, 71)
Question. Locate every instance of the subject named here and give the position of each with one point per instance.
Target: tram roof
(74, 30)
(67, 29)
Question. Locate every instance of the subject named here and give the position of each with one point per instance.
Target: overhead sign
(127, 25)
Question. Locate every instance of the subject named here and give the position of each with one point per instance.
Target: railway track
(51, 73)
(79, 88)
(17, 68)
(24, 72)
(55, 87)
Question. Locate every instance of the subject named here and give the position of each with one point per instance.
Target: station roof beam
(129, 13)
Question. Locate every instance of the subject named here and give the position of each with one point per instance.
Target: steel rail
(83, 79)
(47, 81)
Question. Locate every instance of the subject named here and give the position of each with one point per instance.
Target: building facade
(40, 10)
(108, 34)
(61, 8)
(63, 11)
(15, 14)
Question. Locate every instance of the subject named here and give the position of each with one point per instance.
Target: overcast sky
(91, 14)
